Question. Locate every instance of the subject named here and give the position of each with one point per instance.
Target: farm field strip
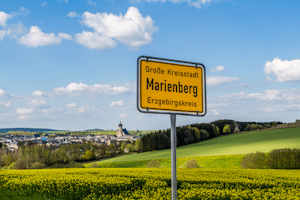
(206, 162)
(153, 183)
(248, 142)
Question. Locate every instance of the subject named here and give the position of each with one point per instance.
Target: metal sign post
(173, 157)
(172, 87)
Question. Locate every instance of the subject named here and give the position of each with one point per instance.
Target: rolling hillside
(236, 144)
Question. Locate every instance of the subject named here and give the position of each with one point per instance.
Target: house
(121, 132)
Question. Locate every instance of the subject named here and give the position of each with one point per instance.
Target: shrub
(5, 167)
(88, 155)
(153, 163)
(94, 165)
(215, 130)
(192, 164)
(284, 159)
(197, 134)
(130, 147)
(204, 134)
(20, 164)
(248, 128)
(254, 161)
(226, 129)
(38, 165)
(12, 165)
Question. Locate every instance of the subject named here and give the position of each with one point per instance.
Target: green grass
(237, 144)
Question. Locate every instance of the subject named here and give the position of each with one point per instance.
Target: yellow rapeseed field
(126, 183)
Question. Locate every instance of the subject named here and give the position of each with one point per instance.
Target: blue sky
(71, 65)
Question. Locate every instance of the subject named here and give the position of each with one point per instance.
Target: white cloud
(24, 11)
(38, 104)
(7, 104)
(268, 95)
(16, 30)
(124, 114)
(132, 29)
(217, 80)
(24, 110)
(196, 3)
(23, 117)
(88, 91)
(94, 40)
(43, 4)
(37, 38)
(4, 94)
(73, 14)
(215, 112)
(218, 69)
(118, 103)
(2, 34)
(71, 105)
(285, 71)
(38, 93)
(84, 108)
(268, 78)
(216, 105)
(91, 3)
(3, 18)
(65, 36)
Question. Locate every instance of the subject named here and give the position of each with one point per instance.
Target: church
(122, 132)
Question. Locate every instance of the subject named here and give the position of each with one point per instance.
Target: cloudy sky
(71, 65)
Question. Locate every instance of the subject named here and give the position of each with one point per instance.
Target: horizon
(71, 65)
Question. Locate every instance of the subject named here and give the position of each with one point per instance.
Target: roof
(125, 131)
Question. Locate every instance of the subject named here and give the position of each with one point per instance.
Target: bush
(20, 164)
(215, 130)
(12, 165)
(94, 165)
(248, 128)
(284, 159)
(192, 164)
(153, 163)
(38, 165)
(204, 134)
(88, 155)
(226, 129)
(74, 164)
(5, 167)
(254, 161)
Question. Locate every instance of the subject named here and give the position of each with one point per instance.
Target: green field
(232, 147)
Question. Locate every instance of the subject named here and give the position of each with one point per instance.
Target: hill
(235, 144)
(5, 130)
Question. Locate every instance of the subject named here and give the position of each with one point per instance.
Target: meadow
(214, 153)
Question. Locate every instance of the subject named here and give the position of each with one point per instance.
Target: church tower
(120, 130)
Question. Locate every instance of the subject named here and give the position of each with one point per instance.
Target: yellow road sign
(171, 86)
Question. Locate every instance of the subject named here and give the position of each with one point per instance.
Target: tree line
(194, 133)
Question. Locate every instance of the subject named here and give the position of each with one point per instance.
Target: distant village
(12, 141)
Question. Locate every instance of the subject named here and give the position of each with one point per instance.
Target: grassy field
(236, 146)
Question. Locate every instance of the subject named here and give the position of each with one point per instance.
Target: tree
(88, 155)
(122, 146)
(226, 129)
(197, 134)
(129, 147)
(139, 145)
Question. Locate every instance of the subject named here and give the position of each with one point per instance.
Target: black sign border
(171, 61)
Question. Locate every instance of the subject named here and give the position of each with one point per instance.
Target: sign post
(172, 87)
(173, 157)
